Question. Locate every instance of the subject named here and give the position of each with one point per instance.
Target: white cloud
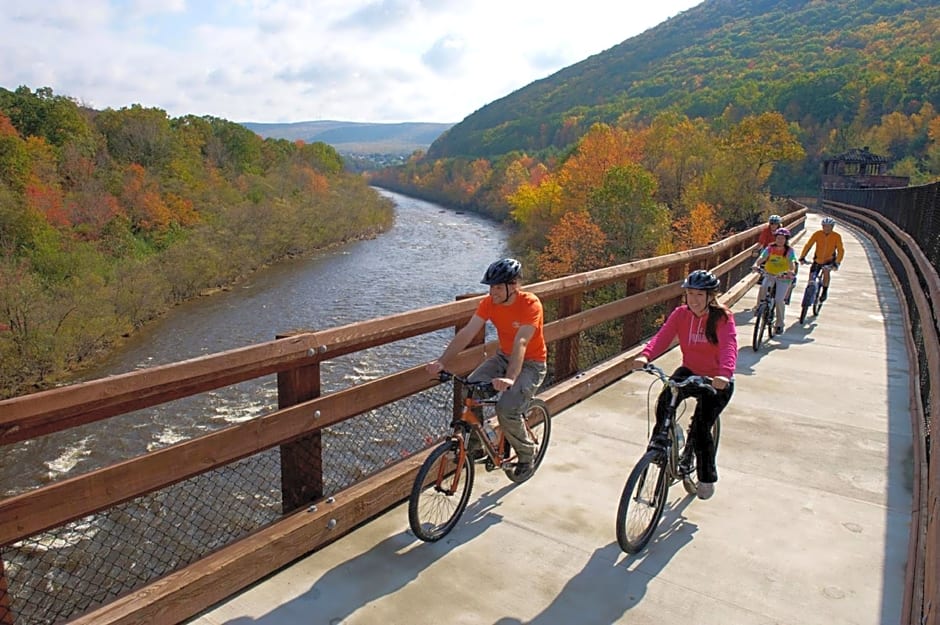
(295, 60)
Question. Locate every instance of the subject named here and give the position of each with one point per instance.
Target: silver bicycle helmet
(828, 221)
(775, 219)
(701, 279)
(503, 271)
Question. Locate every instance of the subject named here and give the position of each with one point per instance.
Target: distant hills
(357, 138)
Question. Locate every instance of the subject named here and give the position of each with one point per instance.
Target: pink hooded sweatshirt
(698, 355)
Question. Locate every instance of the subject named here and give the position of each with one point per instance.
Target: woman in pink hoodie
(708, 341)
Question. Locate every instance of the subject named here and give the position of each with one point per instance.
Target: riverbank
(72, 370)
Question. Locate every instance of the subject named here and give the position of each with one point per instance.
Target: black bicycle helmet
(775, 219)
(503, 271)
(701, 279)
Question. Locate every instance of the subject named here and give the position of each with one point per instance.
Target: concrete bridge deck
(809, 524)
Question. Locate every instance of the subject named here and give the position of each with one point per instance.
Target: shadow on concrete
(383, 570)
(608, 586)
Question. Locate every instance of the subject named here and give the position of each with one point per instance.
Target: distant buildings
(859, 169)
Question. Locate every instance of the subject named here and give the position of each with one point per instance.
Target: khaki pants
(510, 406)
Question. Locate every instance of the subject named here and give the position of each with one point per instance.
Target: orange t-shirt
(525, 310)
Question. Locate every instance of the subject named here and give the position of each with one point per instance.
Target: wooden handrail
(303, 412)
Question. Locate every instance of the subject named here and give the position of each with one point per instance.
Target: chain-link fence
(69, 570)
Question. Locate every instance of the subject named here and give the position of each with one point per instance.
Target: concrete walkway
(809, 524)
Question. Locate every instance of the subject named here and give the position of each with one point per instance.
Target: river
(428, 257)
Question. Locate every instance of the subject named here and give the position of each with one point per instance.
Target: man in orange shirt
(519, 366)
(767, 234)
(829, 252)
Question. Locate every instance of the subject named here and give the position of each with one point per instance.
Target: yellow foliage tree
(536, 208)
(700, 227)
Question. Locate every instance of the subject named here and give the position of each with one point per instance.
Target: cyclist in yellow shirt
(778, 260)
(829, 252)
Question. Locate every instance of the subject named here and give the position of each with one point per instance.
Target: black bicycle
(766, 313)
(669, 458)
(812, 296)
(442, 487)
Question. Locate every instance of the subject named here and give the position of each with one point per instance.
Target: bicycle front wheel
(760, 322)
(440, 494)
(642, 502)
(817, 303)
(538, 425)
(690, 477)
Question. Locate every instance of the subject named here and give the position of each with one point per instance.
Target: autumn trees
(109, 217)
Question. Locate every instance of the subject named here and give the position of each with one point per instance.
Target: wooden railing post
(633, 323)
(567, 349)
(675, 274)
(301, 459)
(6, 611)
(479, 339)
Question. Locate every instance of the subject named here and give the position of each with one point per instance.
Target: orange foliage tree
(601, 149)
(142, 201)
(575, 244)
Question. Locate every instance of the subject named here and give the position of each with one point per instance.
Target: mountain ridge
(399, 138)
(796, 56)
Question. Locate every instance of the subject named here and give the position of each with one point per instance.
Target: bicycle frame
(766, 313)
(667, 459)
(814, 289)
(471, 420)
(677, 447)
(445, 479)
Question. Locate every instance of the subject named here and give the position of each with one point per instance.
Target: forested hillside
(694, 125)
(822, 63)
(107, 218)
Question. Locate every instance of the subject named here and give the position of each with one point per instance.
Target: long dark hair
(717, 312)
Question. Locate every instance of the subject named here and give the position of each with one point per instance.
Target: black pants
(707, 409)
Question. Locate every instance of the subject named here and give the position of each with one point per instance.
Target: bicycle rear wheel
(538, 425)
(642, 502)
(439, 495)
(760, 322)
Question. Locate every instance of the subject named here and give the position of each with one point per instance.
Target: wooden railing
(310, 518)
(920, 285)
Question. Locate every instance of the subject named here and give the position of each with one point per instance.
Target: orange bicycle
(443, 484)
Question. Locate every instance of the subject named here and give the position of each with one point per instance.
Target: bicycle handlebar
(699, 381)
(831, 264)
(446, 376)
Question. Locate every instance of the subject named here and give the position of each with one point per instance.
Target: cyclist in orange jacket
(829, 252)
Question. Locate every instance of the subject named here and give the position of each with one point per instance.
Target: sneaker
(523, 470)
(705, 490)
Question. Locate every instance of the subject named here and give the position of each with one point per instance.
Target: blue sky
(299, 60)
